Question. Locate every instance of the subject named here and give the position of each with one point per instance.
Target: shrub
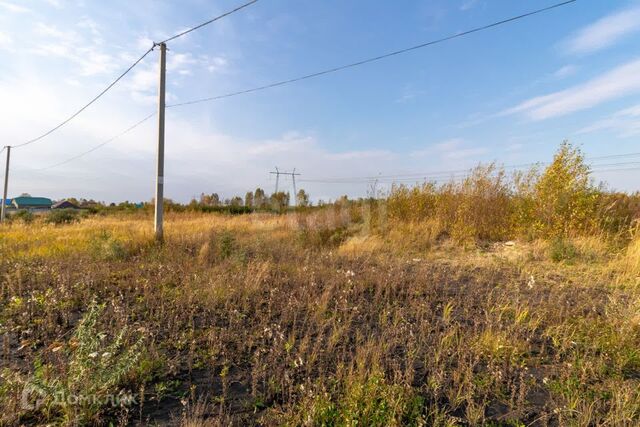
(562, 250)
(27, 217)
(95, 370)
(487, 205)
(106, 247)
(565, 198)
(478, 208)
(62, 216)
(370, 401)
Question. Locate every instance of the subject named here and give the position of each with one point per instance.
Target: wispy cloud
(622, 81)
(625, 123)
(5, 41)
(468, 4)
(55, 3)
(566, 71)
(451, 149)
(12, 7)
(84, 50)
(409, 93)
(604, 32)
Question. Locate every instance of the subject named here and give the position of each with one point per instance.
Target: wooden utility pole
(160, 166)
(6, 184)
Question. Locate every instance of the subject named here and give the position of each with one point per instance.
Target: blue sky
(509, 94)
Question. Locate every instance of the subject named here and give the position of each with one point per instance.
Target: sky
(510, 94)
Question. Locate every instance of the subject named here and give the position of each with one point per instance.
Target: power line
(112, 84)
(373, 59)
(308, 76)
(129, 129)
(74, 115)
(460, 173)
(448, 172)
(185, 32)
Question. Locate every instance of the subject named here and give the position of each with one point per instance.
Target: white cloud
(12, 7)
(215, 64)
(451, 149)
(55, 3)
(604, 32)
(468, 4)
(621, 81)
(566, 71)
(626, 123)
(6, 41)
(75, 47)
(360, 155)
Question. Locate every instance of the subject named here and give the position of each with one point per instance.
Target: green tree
(279, 201)
(248, 199)
(565, 197)
(259, 199)
(236, 201)
(302, 199)
(210, 199)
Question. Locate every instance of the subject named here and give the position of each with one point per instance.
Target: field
(349, 314)
(249, 319)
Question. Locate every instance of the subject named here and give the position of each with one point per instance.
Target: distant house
(32, 203)
(64, 204)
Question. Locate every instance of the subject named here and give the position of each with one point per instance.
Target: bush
(478, 208)
(106, 247)
(565, 197)
(562, 250)
(63, 216)
(370, 401)
(96, 367)
(27, 217)
(487, 205)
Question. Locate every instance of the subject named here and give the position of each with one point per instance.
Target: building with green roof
(31, 203)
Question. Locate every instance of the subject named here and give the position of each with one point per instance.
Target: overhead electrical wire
(127, 71)
(460, 173)
(331, 70)
(74, 115)
(308, 76)
(210, 21)
(419, 175)
(373, 59)
(126, 131)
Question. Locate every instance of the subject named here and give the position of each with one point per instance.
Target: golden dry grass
(316, 319)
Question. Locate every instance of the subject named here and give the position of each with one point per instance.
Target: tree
(279, 201)
(248, 199)
(235, 201)
(565, 196)
(259, 199)
(302, 199)
(210, 200)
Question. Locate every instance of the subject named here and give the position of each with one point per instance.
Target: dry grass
(315, 320)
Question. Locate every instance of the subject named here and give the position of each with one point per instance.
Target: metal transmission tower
(293, 175)
(277, 174)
